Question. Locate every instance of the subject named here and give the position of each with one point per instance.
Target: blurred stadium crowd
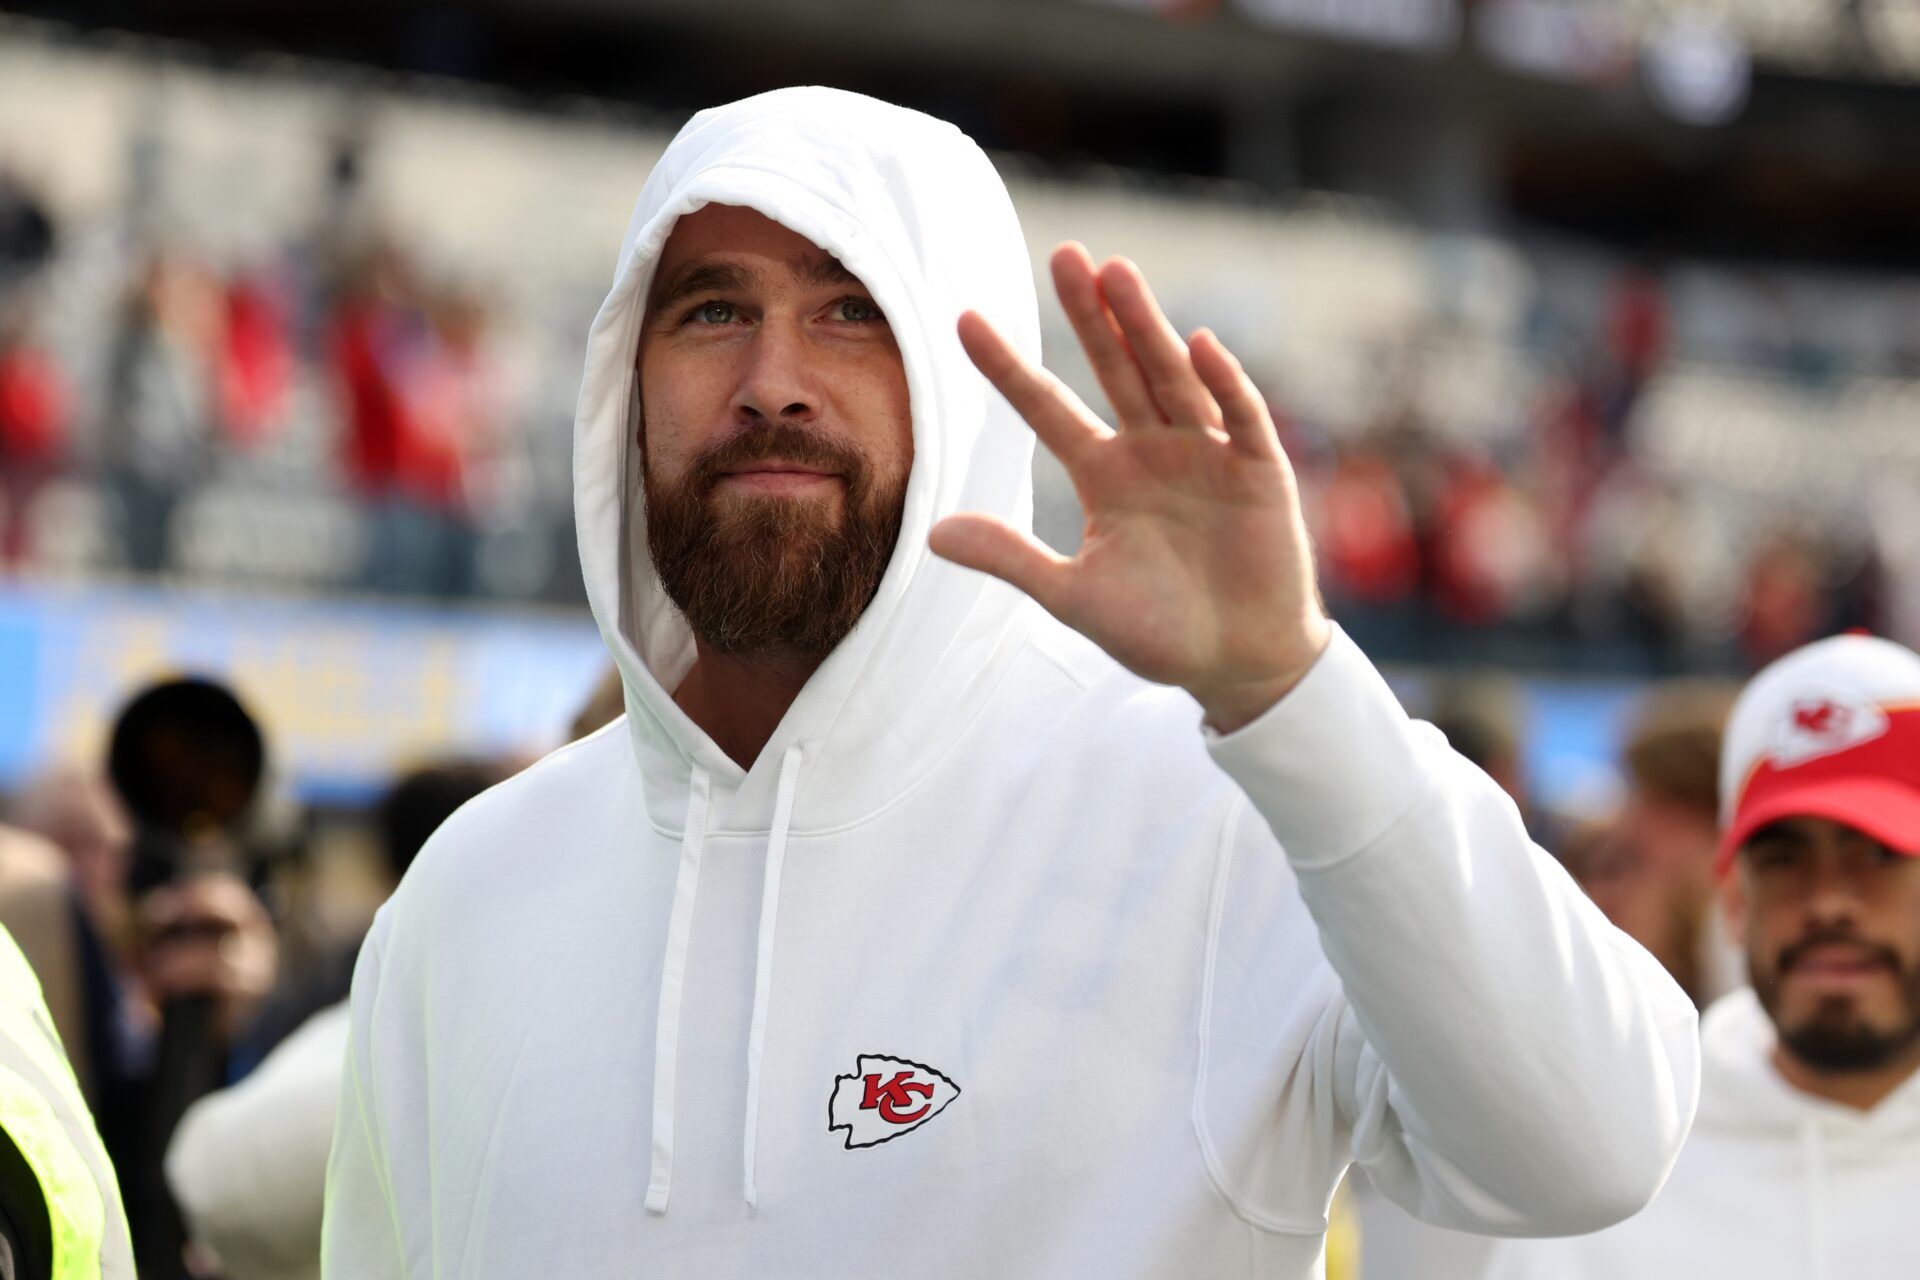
(1526, 451)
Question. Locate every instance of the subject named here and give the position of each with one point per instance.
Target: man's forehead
(730, 231)
(727, 246)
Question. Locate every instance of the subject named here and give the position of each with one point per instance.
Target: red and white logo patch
(1818, 725)
(886, 1097)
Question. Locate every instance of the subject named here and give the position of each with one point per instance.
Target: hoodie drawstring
(763, 957)
(673, 974)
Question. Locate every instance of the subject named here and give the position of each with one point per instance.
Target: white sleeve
(360, 1239)
(1497, 1055)
(248, 1164)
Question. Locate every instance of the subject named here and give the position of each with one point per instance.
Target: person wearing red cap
(1807, 1145)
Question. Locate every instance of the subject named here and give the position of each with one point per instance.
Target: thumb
(994, 547)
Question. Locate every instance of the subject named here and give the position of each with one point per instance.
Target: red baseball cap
(1829, 731)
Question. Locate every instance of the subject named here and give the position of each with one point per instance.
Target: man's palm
(1194, 567)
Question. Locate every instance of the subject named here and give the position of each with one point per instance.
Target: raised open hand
(1195, 568)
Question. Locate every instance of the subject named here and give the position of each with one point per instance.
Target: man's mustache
(1792, 955)
(777, 440)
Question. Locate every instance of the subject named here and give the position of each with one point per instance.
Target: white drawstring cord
(763, 958)
(673, 974)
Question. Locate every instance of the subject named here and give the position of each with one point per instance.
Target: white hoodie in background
(992, 964)
(247, 1163)
(1774, 1183)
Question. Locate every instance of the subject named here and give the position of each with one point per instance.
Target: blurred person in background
(187, 761)
(79, 815)
(605, 704)
(1088, 955)
(248, 1163)
(35, 417)
(1638, 328)
(79, 811)
(39, 906)
(1482, 720)
(27, 232)
(1492, 561)
(253, 369)
(1789, 596)
(1807, 1148)
(1653, 870)
(155, 438)
(421, 394)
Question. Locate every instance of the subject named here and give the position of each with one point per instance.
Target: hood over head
(915, 210)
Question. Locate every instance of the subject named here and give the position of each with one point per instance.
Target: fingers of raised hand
(1243, 410)
(992, 546)
(1055, 413)
(1077, 281)
(1157, 349)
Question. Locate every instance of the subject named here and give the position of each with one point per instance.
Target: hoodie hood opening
(914, 210)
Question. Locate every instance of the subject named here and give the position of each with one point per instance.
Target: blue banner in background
(348, 692)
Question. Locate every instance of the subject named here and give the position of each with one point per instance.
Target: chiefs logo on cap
(1822, 724)
(886, 1097)
(1830, 731)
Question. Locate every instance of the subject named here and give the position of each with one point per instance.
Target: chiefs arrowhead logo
(1820, 717)
(1818, 725)
(886, 1097)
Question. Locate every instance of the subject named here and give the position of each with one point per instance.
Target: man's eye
(713, 313)
(856, 311)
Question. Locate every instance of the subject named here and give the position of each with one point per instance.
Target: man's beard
(1837, 1037)
(772, 575)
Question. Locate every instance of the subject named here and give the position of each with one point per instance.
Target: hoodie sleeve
(360, 1234)
(1470, 1028)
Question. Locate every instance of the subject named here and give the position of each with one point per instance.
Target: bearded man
(942, 905)
(1809, 1133)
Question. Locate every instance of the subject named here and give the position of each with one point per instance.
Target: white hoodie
(1774, 1184)
(992, 964)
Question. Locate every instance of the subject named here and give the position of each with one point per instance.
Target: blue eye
(857, 310)
(713, 313)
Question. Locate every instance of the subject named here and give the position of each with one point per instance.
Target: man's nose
(777, 383)
(1834, 893)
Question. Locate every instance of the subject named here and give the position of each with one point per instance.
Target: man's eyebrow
(822, 269)
(1779, 832)
(698, 276)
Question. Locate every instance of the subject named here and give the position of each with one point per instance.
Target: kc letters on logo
(886, 1097)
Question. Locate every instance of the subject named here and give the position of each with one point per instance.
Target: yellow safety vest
(1343, 1238)
(44, 1115)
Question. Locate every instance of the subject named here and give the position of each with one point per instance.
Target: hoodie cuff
(1333, 764)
